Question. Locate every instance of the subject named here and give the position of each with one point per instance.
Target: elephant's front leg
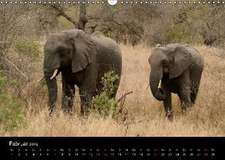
(67, 96)
(168, 107)
(167, 102)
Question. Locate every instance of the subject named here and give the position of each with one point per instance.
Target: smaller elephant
(175, 68)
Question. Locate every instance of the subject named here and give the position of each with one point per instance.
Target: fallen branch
(122, 113)
(121, 102)
(124, 96)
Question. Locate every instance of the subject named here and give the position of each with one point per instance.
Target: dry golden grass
(146, 115)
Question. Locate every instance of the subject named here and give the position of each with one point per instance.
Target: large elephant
(175, 68)
(82, 60)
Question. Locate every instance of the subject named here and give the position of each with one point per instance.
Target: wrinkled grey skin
(82, 60)
(179, 67)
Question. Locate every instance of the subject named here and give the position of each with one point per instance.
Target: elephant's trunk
(154, 81)
(51, 69)
(52, 89)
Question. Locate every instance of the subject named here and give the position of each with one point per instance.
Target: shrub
(2, 81)
(28, 47)
(178, 33)
(104, 103)
(11, 109)
(11, 112)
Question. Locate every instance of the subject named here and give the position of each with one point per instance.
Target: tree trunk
(82, 17)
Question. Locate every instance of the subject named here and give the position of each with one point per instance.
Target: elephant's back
(197, 58)
(108, 54)
(107, 45)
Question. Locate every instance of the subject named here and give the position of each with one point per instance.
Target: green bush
(11, 109)
(28, 47)
(11, 112)
(178, 33)
(104, 103)
(2, 81)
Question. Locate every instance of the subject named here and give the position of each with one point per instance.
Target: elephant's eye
(61, 55)
(164, 62)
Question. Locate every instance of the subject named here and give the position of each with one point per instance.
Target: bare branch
(63, 14)
(16, 68)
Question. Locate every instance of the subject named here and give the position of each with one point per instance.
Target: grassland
(145, 114)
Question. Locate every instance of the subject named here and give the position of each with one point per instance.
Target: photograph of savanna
(130, 69)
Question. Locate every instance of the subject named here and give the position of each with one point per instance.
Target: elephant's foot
(67, 111)
(189, 106)
(185, 108)
(67, 105)
(84, 113)
(51, 112)
(169, 115)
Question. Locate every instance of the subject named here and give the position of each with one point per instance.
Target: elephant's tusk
(160, 83)
(54, 74)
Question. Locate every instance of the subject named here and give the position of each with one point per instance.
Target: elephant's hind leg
(185, 98)
(184, 91)
(194, 96)
(87, 92)
(195, 86)
(86, 100)
(115, 88)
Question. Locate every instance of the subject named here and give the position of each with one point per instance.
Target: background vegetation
(23, 94)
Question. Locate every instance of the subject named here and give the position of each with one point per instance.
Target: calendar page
(112, 79)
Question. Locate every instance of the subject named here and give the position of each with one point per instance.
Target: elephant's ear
(84, 51)
(180, 60)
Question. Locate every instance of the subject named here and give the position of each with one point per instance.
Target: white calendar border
(124, 2)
